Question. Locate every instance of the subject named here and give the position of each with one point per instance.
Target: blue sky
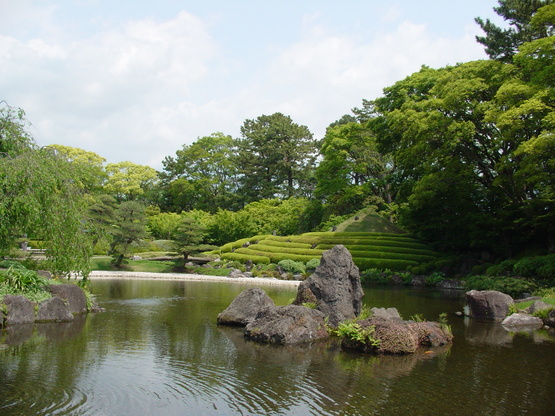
(136, 80)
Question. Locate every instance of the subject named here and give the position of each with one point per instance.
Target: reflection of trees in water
(40, 366)
(322, 372)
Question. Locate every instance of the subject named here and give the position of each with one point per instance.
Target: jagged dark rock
(245, 307)
(488, 304)
(286, 325)
(335, 285)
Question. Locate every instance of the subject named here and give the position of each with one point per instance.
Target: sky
(137, 80)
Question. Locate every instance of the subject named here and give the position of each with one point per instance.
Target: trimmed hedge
(276, 257)
(369, 250)
(243, 258)
(388, 255)
(392, 249)
(272, 249)
(382, 264)
(268, 242)
(226, 248)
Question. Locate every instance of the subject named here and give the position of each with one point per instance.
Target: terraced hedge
(398, 252)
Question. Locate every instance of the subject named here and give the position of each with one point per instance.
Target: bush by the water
(537, 267)
(21, 281)
(510, 285)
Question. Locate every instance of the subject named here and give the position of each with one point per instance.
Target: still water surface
(158, 351)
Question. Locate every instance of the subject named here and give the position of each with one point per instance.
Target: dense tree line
(461, 156)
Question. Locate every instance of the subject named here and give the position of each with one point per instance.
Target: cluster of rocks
(332, 295)
(67, 300)
(494, 305)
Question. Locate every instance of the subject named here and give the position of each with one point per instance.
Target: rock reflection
(18, 334)
(333, 379)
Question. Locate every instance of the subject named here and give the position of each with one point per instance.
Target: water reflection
(158, 350)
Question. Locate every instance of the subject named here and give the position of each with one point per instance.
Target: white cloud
(140, 90)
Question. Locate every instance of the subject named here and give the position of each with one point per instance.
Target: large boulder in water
(72, 294)
(245, 307)
(385, 336)
(54, 310)
(522, 320)
(335, 287)
(19, 310)
(488, 304)
(285, 325)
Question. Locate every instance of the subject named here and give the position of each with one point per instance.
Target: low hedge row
(286, 244)
(382, 264)
(272, 249)
(392, 249)
(342, 234)
(295, 239)
(393, 256)
(373, 242)
(276, 257)
(226, 248)
(243, 258)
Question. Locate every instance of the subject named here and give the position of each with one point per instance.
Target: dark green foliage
(541, 267)
(502, 44)
(366, 263)
(130, 228)
(510, 285)
(276, 158)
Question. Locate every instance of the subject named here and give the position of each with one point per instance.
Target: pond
(157, 350)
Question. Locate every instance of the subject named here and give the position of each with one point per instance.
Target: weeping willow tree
(40, 198)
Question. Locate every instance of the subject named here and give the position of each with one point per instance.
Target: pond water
(157, 350)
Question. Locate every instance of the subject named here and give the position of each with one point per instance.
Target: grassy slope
(372, 240)
(367, 221)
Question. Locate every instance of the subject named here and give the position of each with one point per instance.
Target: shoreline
(270, 281)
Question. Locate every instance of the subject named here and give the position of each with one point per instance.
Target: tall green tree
(128, 181)
(189, 238)
(502, 44)
(275, 158)
(202, 175)
(352, 169)
(39, 198)
(88, 165)
(464, 126)
(130, 227)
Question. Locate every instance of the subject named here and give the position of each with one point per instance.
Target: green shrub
(354, 332)
(291, 266)
(6, 264)
(376, 276)
(542, 267)
(312, 264)
(505, 268)
(510, 285)
(435, 278)
(393, 264)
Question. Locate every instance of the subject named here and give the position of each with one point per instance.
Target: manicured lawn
(104, 263)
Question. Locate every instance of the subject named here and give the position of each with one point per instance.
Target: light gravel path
(271, 281)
